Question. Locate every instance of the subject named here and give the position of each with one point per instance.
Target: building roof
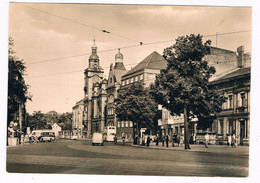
(153, 61)
(119, 66)
(232, 75)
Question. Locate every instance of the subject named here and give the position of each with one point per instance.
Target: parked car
(97, 138)
(47, 136)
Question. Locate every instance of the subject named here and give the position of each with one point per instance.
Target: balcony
(242, 109)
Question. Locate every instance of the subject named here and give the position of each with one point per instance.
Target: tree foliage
(17, 88)
(183, 86)
(137, 105)
(39, 120)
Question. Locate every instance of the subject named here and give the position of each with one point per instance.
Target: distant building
(114, 83)
(56, 129)
(144, 72)
(95, 97)
(235, 115)
(78, 118)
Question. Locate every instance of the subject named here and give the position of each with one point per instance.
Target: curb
(184, 150)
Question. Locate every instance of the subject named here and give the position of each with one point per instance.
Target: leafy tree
(37, 120)
(137, 105)
(183, 86)
(17, 88)
(52, 117)
(65, 121)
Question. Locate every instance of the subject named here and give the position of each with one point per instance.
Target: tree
(52, 117)
(17, 88)
(183, 86)
(37, 120)
(65, 121)
(137, 105)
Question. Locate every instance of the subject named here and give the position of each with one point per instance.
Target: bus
(111, 132)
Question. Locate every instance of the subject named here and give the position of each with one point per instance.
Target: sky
(45, 33)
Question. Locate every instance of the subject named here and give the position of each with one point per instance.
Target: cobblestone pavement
(79, 157)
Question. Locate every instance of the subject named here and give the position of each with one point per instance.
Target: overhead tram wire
(83, 24)
(61, 73)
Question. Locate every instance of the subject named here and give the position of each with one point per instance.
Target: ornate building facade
(94, 101)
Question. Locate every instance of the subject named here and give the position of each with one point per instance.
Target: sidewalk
(242, 150)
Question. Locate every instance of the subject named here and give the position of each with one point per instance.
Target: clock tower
(93, 76)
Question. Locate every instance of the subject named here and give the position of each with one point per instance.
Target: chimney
(240, 56)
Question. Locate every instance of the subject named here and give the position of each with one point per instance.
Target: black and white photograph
(121, 89)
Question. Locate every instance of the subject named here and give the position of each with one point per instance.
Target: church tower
(93, 77)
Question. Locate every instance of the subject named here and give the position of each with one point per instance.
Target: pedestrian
(157, 140)
(143, 140)
(163, 141)
(181, 140)
(194, 139)
(173, 139)
(167, 140)
(206, 140)
(229, 140)
(178, 140)
(123, 140)
(115, 139)
(233, 143)
(22, 138)
(148, 141)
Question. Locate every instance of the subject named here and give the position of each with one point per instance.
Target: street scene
(80, 157)
(146, 90)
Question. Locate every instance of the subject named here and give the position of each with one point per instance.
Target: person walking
(194, 139)
(163, 141)
(234, 142)
(178, 139)
(115, 139)
(148, 141)
(229, 140)
(123, 140)
(157, 140)
(173, 139)
(206, 140)
(167, 140)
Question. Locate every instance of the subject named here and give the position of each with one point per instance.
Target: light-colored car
(47, 136)
(97, 138)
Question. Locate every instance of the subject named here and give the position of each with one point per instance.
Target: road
(80, 157)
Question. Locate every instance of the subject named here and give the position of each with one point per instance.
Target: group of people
(123, 140)
(177, 140)
(232, 140)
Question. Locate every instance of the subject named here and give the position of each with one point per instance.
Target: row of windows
(110, 111)
(230, 127)
(133, 79)
(241, 100)
(124, 124)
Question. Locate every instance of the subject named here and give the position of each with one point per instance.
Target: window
(131, 80)
(220, 131)
(126, 124)
(122, 124)
(243, 99)
(230, 101)
(127, 81)
(230, 127)
(141, 77)
(123, 82)
(136, 79)
(130, 124)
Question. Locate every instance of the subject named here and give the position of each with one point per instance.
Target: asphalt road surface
(80, 157)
